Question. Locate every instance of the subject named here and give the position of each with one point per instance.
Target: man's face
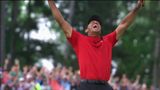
(93, 28)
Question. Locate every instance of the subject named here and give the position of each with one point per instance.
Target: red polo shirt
(94, 54)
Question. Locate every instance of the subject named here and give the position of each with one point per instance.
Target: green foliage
(134, 53)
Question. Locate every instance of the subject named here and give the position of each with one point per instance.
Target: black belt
(94, 81)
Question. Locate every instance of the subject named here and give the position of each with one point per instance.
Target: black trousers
(94, 86)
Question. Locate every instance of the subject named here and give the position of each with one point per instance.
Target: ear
(86, 30)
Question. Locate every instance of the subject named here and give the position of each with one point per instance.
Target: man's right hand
(140, 3)
(66, 27)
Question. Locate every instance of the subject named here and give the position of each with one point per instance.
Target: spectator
(61, 78)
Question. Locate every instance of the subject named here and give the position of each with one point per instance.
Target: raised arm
(66, 27)
(128, 20)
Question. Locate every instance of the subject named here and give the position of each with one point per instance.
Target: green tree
(134, 52)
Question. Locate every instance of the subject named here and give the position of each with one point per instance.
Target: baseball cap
(96, 18)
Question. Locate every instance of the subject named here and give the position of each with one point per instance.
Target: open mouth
(95, 26)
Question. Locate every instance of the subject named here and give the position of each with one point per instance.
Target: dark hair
(96, 18)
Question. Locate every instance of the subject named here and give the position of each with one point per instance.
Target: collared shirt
(94, 54)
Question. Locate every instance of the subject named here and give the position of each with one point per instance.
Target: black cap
(96, 18)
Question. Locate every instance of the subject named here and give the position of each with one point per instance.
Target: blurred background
(30, 37)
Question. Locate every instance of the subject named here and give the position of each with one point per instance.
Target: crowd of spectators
(60, 78)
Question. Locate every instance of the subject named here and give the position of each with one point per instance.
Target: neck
(94, 34)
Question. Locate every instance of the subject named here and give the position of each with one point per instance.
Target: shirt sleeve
(111, 37)
(74, 39)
